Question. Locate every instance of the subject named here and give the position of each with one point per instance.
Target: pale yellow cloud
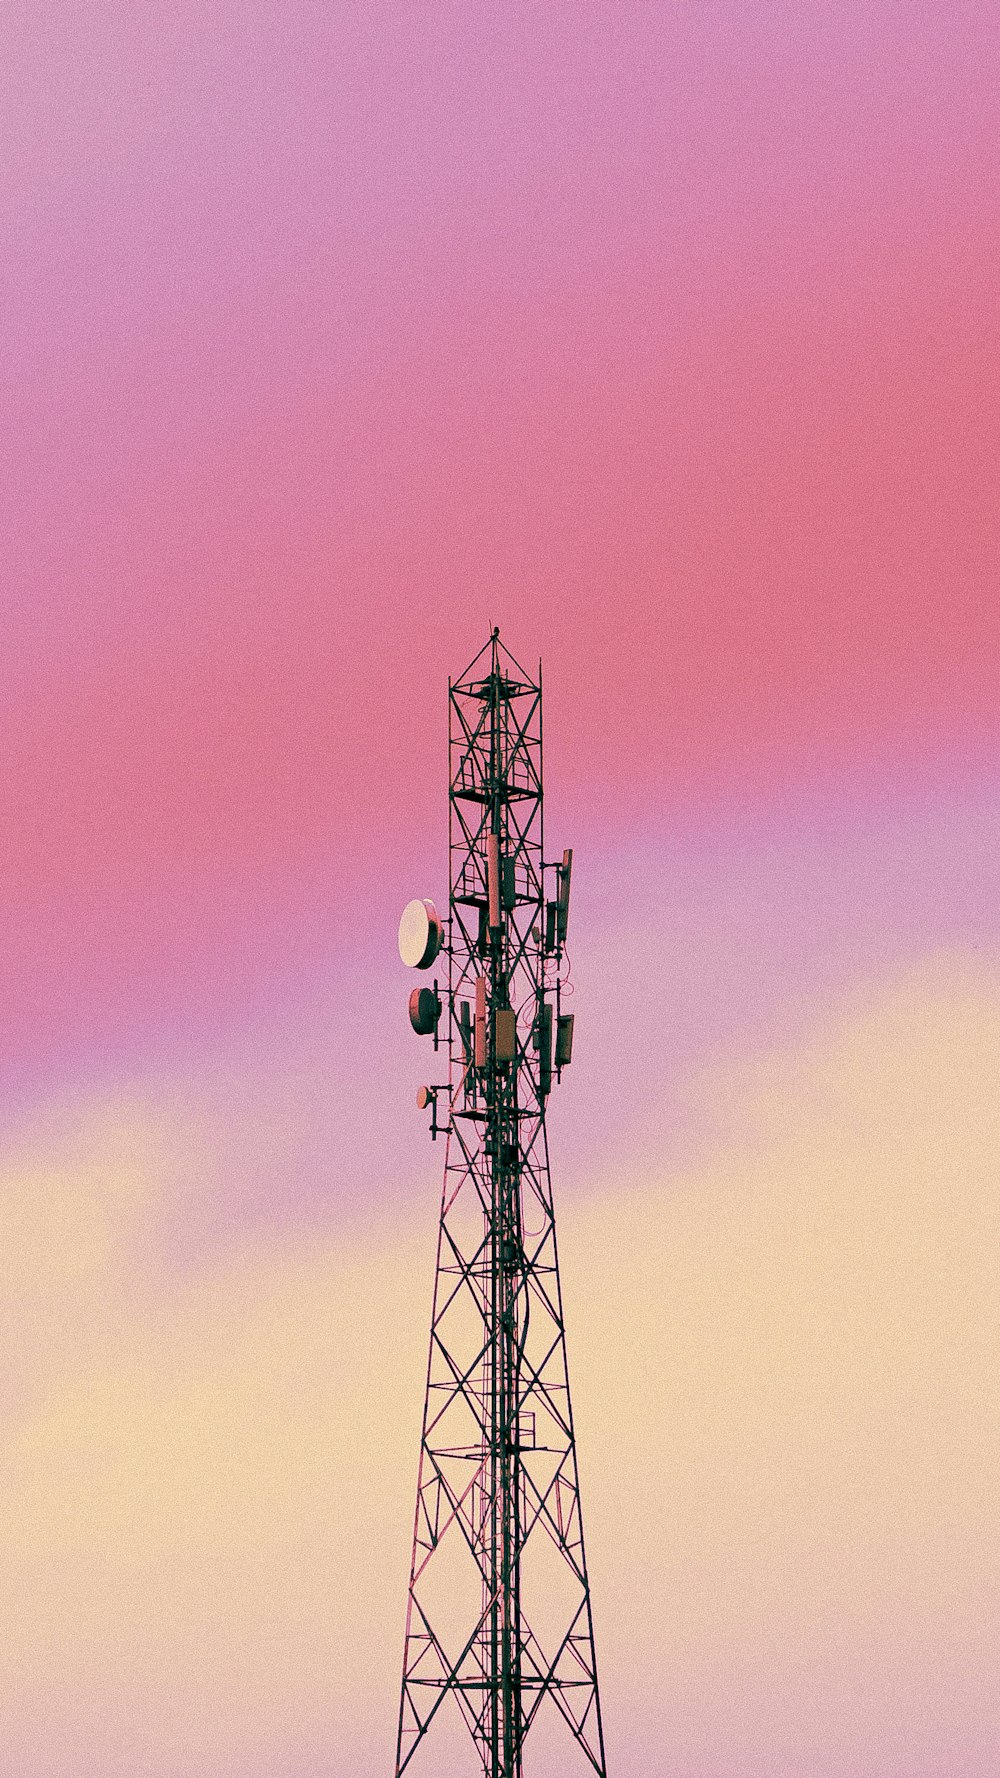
(790, 1364)
(205, 1481)
(79, 1199)
(785, 1376)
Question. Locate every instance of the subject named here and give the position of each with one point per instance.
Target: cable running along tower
(499, 1624)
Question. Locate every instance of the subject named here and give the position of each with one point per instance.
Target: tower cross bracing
(499, 1625)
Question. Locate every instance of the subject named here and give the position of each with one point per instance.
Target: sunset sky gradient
(665, 337)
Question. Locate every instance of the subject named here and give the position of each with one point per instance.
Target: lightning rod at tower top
(499, 1641)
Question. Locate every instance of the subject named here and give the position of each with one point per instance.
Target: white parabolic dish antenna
(420, 934)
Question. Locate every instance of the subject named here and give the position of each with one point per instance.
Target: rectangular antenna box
(505, 1033)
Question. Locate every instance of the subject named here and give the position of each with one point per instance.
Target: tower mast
(499, 1618)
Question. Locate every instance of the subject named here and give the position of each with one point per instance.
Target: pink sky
(665, 337)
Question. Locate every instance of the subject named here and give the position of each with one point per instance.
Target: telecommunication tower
(499, 1622)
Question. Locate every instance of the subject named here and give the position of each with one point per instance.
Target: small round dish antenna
(425, 1010)
(421, 934)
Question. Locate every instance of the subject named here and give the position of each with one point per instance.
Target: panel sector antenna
(499, 1671)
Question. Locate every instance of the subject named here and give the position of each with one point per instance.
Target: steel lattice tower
(499, 1618)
